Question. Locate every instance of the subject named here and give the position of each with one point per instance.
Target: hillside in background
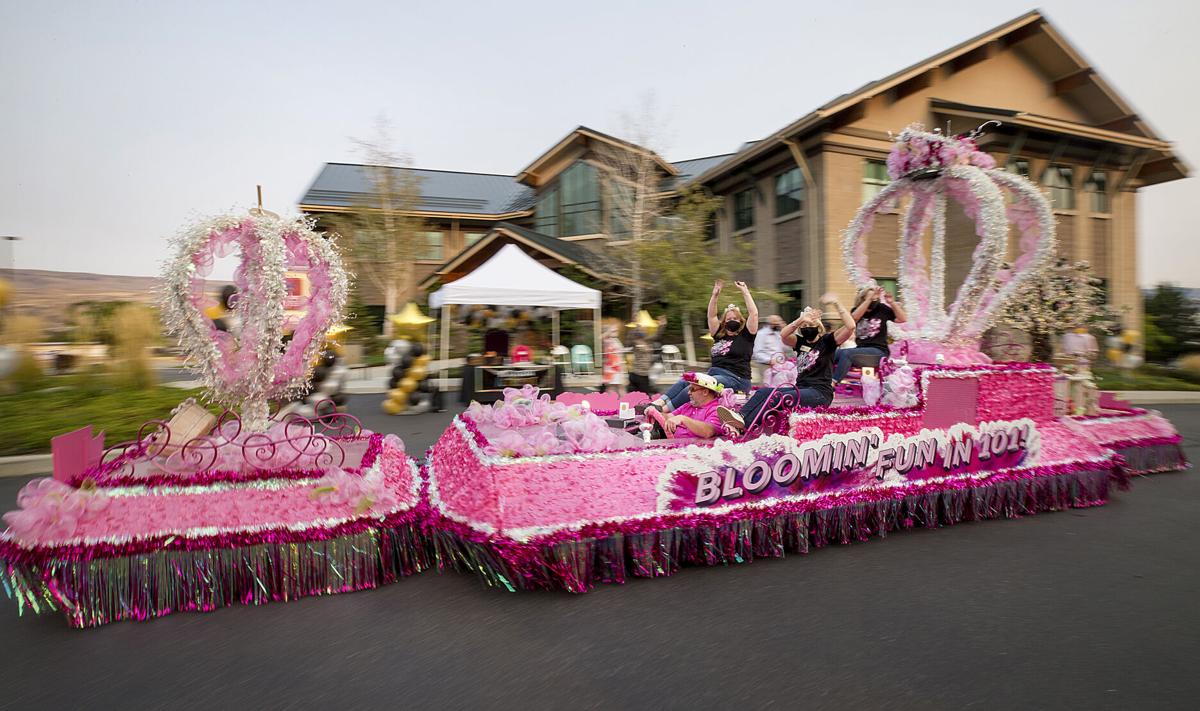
(49, 295)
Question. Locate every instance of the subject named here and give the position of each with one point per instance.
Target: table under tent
(513, 278)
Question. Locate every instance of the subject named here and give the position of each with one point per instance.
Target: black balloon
(393, 382)
(399, 370)
(425, 386)
(415, 398)
(417, 350)
(319, 374)
(328, 358)
(406, 362)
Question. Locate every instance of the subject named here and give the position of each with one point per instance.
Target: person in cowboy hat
(697, 418)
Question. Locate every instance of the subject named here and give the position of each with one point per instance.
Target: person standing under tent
(643, 360)
(613, 370)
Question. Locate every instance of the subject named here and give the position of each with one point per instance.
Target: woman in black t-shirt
(815, 351)
(873, 308)
(733, 342)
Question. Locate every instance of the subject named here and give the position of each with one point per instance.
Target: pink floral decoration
(50, 509)
(360, 492)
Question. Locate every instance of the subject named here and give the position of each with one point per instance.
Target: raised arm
(788, 333)
(861, 310)
(713, 321)
(846, 330)
(897, 309)
(751, 307)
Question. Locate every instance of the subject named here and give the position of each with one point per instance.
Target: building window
(1097, 189)
(580, 200)
(1018, 166)
(618, 203)
(790, 309)
(789, 192)
(470, 238)
(1061, 181)
(743, 210)
(545, 214)
(429, 246)
(710, 229)
(875, 178)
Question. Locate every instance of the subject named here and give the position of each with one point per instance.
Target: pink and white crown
(926, 169)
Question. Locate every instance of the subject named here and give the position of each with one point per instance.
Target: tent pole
(554, 328)
(445, 345)
(598, 355)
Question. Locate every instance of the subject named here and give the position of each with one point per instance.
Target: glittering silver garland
(261, 310)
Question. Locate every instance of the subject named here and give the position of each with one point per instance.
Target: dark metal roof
(343, 184)
(688, 169)
(570, 250)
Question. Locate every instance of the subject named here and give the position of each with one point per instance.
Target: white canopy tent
(513, 278)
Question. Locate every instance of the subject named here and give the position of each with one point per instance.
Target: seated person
(815, 350)
(873, 308)
(733, 342)
(697, 418)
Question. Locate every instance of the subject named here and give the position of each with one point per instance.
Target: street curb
(1159, 397)
(26, 465)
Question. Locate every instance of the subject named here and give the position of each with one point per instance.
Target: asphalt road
(1090, 609)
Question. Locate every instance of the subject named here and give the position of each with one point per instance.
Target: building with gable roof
(791, 194)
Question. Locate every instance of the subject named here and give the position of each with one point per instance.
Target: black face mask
(808, 333)
(732, 326)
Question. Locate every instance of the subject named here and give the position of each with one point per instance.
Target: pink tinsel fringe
(577, 560)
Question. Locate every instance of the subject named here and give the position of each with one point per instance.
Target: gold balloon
(394, 407)
(422, 359)
(417, 373)
(407, 385)
(1115, 354)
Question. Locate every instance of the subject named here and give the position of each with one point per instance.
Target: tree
(687, 262)
(1064, 296)
(1172, 323)
(135, 328)
(631, 178)
(384, 237)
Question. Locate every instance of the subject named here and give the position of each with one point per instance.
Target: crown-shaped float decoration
(930, 167)
(262, 353)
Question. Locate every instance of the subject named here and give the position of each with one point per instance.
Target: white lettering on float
(770, 468)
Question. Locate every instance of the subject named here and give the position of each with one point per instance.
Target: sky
(122, 122)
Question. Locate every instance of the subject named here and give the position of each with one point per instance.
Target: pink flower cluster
(519, 408)
(533, 425)
(917, 149)
(900, 388)
(361, 492)
(50, 509)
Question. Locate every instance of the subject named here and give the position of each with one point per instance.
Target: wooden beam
(1059, 148)
(1014, 151)
(1073, 81)
(1121, 123)
(1134, 168)
(1022, 34)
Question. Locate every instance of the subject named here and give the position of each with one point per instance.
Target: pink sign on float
(75, 452)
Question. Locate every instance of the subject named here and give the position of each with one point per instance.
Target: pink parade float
(202, 512)
(529, 494)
